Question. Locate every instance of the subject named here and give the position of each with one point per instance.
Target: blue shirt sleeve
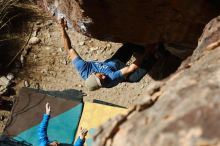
(42, 131)
(79, 142)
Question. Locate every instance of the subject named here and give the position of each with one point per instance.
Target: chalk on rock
(34, 41)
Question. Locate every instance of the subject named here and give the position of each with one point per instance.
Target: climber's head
(94, 81)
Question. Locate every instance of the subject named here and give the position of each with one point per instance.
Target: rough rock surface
(181, 111)
(176, 23)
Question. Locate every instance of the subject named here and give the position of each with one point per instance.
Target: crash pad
(28, 111)
(94, 115)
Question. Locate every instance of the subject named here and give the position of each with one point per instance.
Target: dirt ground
(48, 69)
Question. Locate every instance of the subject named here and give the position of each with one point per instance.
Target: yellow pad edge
(94, 115)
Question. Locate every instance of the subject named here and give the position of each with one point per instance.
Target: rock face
(176, 23)
(184, 110)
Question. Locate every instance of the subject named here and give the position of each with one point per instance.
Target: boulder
(182, 110)
(176, 23)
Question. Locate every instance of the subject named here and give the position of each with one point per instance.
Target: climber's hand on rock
(63, 23)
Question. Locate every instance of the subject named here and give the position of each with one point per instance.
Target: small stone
(109, 45)
(44, 71)
(34, 34)
(10, 76)
(54, 74)
(87, 39)
(54, 54)
(2, 118)
(49, 22)
(81, 43)
(38, 23)
(90, 41)
(4, 81)
(48, 35)
(22, 60)
(94, 48)
(35, 56)
(47, 48)
(26, 84)
(61, 49)
(34, 41)
(80, 85)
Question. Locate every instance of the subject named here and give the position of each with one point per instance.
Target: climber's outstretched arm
(67, 43)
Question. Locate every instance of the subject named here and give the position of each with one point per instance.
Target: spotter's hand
(83, 133)
(47, 108)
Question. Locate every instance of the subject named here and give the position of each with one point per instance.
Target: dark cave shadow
(158, 63)
(5, 104)
(69, 94)
(102, 14)
(164, 66)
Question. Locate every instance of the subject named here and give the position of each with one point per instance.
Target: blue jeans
(124, 54)
(136, 76)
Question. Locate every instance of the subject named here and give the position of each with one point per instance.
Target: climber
(42, 132)
(112, 71)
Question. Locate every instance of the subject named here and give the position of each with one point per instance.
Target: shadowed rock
(186, 111)
(175, 23)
